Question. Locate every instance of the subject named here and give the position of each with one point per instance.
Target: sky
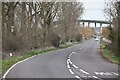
(94, 10)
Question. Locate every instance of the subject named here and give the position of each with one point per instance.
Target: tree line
(112, 11)
(31, 25)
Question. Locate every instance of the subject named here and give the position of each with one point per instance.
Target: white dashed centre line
(95, 77)
(71, 71)
(77, 77)
(75, 66)
(115, 73)
(68, 66)
(84, 71)
(69, 62)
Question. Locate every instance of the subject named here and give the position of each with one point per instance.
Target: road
(81, 61)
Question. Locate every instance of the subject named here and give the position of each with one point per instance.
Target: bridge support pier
(78, 23)
(88, 24)
(110, 24)
(83, 24)
(100, 27)
(95, 25)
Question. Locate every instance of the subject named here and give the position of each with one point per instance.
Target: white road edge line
(115, 73)
(70, 62)
(89, 76)
(84, 71)
(68, 66)
(77, 77)
(72, 52)
(84, 76)
(95, 77)
(82, 47)
(68, 57)
(75, 66)
(71, 71)
(4, 76)
(67, 61)
(75, 53)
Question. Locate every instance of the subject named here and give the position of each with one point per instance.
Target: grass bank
(0, 69)
(108, 55)
(6, 64)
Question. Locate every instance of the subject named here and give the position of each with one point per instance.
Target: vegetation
(105, 32)
(107, 54)
(29, 26)
(112, 11)
(87, 31)
(33, 25)
(0, 68)
(7, 63)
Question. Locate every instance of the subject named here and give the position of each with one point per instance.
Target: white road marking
(84, 76)
(107, 73)
(82, 47)
(99, 73)
(68, 57)
(77, 77)
(75, 66)
(95, 77)
(4, 76)
(84, 71)
(71, 71)
(68, 66)
(102, 73)
(115, 73)
(70, 62)
(67, 61)
(72, 52)
(89, 76)
(75, 53)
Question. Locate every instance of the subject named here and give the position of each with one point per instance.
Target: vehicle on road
(96, 39)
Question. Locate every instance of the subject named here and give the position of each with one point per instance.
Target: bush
(78, 37)
(54, 40)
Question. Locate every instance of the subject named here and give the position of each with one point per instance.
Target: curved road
(81, 61)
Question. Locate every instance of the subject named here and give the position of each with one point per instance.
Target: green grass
(64, 46)
(7, 63)
(0, 68)
(107, 54)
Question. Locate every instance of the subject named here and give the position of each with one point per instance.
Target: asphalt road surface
(81, 61)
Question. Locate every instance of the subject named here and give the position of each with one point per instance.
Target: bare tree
(30, 25)
(112, 10)
(69, 14)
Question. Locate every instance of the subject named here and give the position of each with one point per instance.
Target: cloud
(93, 9)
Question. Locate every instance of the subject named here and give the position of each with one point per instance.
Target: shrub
(78, 37)
(54, 40)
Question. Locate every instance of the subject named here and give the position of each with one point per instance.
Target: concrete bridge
(93, 21)
(87, 21)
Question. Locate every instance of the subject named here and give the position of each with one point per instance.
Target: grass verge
(107, 54)
(6, 64)
(0, 68)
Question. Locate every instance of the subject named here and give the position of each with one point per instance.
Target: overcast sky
(94, 10)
